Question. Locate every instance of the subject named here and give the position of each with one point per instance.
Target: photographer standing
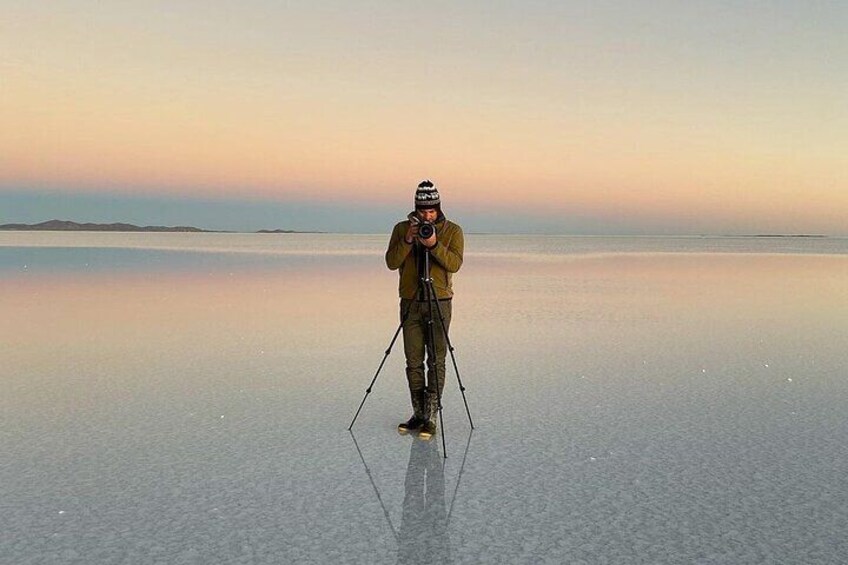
(406, 253)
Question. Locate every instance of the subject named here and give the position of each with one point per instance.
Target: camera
(426, 230)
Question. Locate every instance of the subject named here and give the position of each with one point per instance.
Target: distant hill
(65, 225)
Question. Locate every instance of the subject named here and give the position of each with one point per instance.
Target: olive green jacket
(445, 258)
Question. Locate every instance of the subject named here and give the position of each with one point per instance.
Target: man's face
(427, 214)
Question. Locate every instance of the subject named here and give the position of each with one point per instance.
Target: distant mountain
(65, 225)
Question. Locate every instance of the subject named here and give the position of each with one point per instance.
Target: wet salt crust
(177, 400)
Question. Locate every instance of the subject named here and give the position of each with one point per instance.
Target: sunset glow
(731, 117)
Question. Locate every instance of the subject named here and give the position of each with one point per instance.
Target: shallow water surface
(185, 398)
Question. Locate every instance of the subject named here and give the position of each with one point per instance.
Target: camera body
(426, 230)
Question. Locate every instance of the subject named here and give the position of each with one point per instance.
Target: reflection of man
(423, 534)
(406, 254)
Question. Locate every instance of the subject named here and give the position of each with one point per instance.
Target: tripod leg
(453, 358)
(441, 420)
(431, 298)
(380, 368)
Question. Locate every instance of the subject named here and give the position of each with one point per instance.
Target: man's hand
(411, 234)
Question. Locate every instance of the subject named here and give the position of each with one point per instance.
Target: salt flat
(185, 398)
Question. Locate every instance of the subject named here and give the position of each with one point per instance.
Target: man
(406, 253)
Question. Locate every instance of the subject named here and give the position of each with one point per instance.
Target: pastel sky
(534, 116)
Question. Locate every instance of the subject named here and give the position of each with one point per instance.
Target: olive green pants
(415, 340)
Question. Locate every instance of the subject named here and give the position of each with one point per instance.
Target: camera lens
(426, 230)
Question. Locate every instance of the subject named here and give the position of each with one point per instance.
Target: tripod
(428, 291)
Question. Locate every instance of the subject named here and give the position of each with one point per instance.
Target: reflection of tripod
(412, 490)
(428, 292)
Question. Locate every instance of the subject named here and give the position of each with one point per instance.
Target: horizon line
(284, 231)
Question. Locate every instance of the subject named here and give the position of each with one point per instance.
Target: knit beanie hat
(426, 196)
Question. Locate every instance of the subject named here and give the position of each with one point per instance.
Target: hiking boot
(428, 430)
(414, 423)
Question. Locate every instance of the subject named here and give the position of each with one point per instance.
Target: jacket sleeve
(449, 255)
(398, 248)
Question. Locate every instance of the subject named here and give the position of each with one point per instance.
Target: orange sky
(551, 108)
